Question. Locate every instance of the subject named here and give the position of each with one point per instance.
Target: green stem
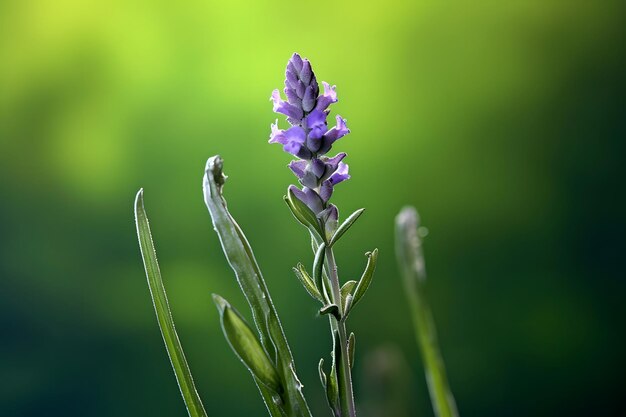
(411, 260)
(344, 375)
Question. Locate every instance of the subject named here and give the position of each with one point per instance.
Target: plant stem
(411, 262)
(344, 375)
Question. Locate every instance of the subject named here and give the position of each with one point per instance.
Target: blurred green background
(503, 122)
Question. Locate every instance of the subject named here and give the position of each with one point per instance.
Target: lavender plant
(309, 139)
(266, 352)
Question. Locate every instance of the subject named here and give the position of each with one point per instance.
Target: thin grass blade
(163, 313)
(411, 262)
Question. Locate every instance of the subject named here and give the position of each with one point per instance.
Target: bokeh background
(503, 122)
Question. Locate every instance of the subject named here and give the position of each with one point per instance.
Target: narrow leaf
(164, 316)
(366, 278)
(347, 306)
(303, 213)
(246, 345)
(326, 290)
(314, 243)
(307, 282)
(320, 368)
(241, 259)
(318, 265)
(345, 226)
(331, 309)
(346, 289)
(411, 263)
(351, 347)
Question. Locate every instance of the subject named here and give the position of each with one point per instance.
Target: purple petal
(307, 73)
(326, 99)
(275, 132)
(313, 144)
(316, 123)
(332, 164)
(292, 97)
(304, 153)
(308, 101)
(292, 139)
(316, 88)
(338, 131)
(285, 108)
(309, 179)
(330, 214)
(291, 76)
(318, 167)
(326, 190)
(295, 138)
(296, 60)
(298, 167)
(300, 89)
(341, 174)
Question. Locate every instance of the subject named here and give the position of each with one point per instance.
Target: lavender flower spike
(309, 137)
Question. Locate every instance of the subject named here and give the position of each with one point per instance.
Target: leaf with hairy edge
(331, 309)
(241, 259)
(307, 282)
(366, 278)
(345, 226)
(318, 265)
(303, 213)
(346, 290)
(164, 316)
(351, 348)
(246, 345)
(320, 368)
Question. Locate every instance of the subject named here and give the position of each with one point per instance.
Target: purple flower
(308, 197)
(309, 138)
(341, 174)
(327, 187)
(307, 109)
(329, 97)
(292, 140)
(337, 132)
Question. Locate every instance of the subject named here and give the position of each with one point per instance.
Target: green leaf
(164, 316)
(346, 290)
(246, 345)
(351, 347)
(314, 243)
(307, 282)
(241, 259)
(326, 289)
(318, 265)
(303, 213)
(320, 368)
(347, 306)
(331, 309)
(345, 226)
(366, 278)
(412, 266)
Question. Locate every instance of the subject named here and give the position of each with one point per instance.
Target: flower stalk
(309, 139)
(346, 390)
